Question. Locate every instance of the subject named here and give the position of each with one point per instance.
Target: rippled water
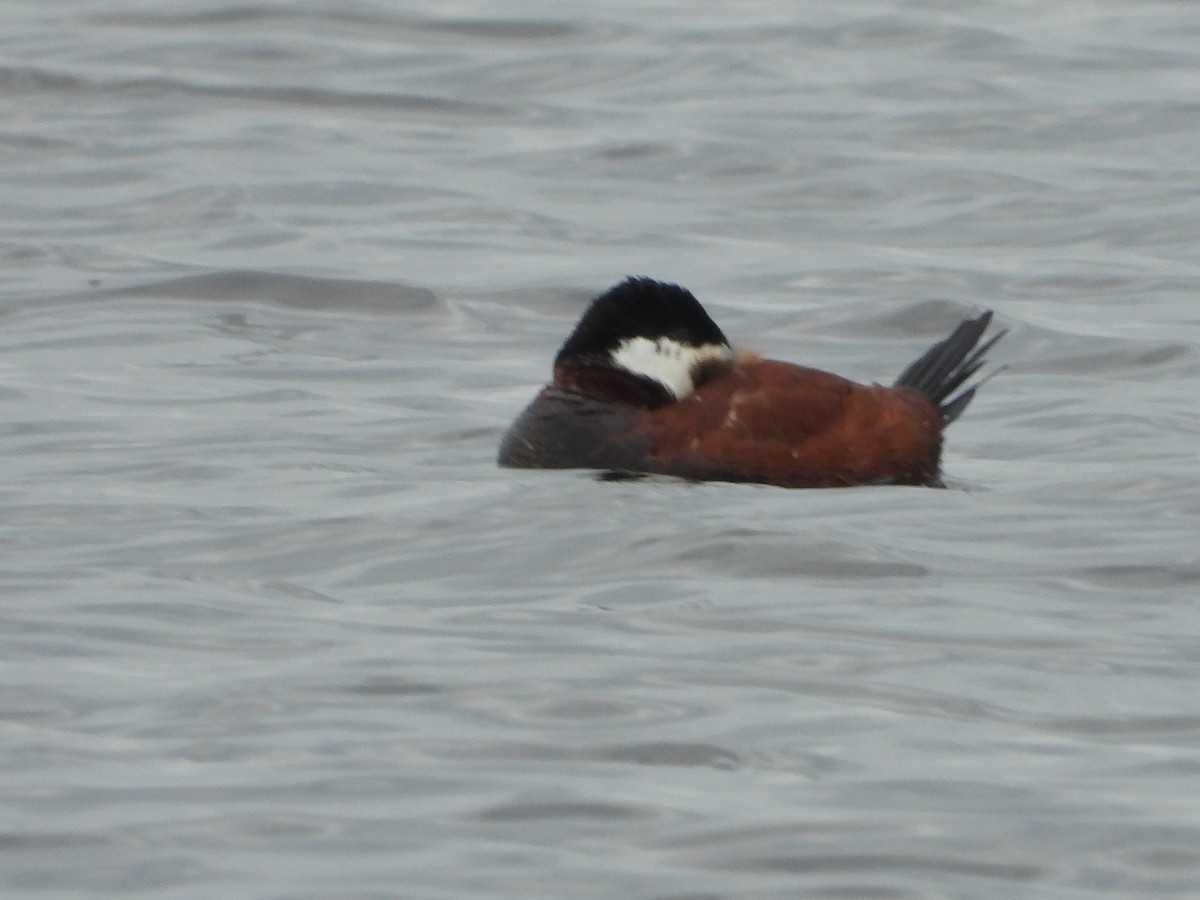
(275, 278)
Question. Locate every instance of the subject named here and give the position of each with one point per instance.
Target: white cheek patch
(666, 361)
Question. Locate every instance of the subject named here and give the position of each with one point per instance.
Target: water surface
(277, 276)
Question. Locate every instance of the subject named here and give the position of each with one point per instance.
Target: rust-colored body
(647, 383)
(751, 419)
(777, 423)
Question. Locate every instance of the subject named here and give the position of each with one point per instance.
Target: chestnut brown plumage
(647, 383)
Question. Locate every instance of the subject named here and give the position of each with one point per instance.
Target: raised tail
(948, 364)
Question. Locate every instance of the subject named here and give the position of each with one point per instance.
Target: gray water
(275, 277)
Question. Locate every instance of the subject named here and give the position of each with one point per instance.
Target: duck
(648, 384)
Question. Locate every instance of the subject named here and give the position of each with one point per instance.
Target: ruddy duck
(647, 383)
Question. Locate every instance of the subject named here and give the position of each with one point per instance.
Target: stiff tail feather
(947, 365)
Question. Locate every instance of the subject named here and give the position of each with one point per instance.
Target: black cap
(640, 307)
